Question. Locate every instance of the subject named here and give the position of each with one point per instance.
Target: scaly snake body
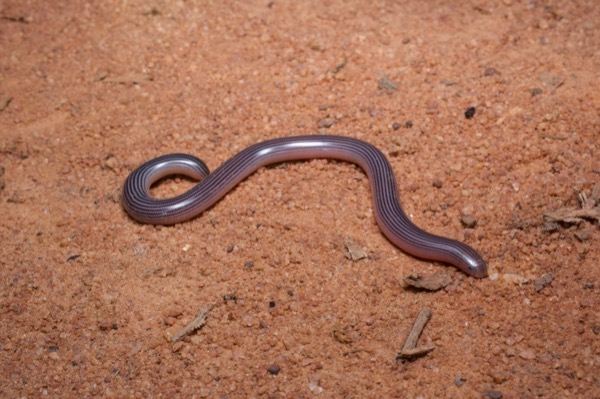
(213, 186)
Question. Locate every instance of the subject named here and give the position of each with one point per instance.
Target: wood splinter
(410, 350)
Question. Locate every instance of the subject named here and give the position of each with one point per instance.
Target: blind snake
(390, 217)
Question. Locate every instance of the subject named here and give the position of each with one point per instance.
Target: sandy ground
(91, 89)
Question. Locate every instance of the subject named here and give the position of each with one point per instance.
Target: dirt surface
(487, 110)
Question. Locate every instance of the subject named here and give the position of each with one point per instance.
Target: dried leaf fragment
(589, 209)
(353, 251)
(433, 282)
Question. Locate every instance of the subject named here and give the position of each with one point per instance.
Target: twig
(410, 350)
(195, 324)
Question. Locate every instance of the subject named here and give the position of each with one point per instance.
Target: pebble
(536, 91)
(175, 311)
(499, 377)
(468, 221)
(437, 183)
(490, 393)
(543, 281)
(460, 380)
(387, 84)
(490, 72)
(470, 112)
(274, 369)
(543, 24)
(582, 235)
(527, 354)
(326, 123)
(111, 163)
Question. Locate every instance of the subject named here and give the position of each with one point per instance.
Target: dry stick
(195, 324)
(410, 350)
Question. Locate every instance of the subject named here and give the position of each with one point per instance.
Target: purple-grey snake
(213, 186)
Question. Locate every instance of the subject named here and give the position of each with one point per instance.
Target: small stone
(106, 325)
(326, 123)
(273, 369)
(460, 380)
(499, 377)
(437, 183)
(408, 124)
(514, 278)
(396, 126)
(543, 282)
(468, 221)
(490, 72)
(111, 163)
(342, 334)
(551, 80)
(387, 84)
(249, 263)
(582, 235)
(470, 112)
(527, 354)
(249, 320)
(490, 393)
(535, 91)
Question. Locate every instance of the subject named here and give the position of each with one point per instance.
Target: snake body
(392, 220)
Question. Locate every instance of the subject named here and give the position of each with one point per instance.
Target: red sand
(88, 92)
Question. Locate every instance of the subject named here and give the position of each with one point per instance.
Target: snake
(390, 217)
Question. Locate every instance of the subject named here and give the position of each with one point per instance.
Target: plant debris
(433, 282)
(589, 209)
(192, 326)
(410, 350)
(129, 77)
(353, 251)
